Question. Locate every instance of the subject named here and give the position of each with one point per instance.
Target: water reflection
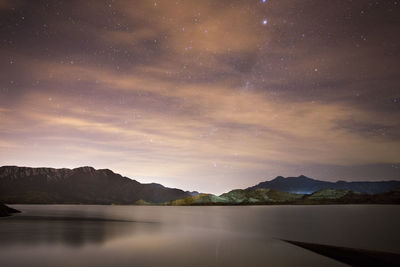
(70, 231)
(82, 235)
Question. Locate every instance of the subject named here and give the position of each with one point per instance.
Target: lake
(94, 235)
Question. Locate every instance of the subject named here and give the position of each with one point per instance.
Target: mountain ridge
(79, 185)
(305, 185)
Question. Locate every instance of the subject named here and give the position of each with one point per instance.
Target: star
(265, 22)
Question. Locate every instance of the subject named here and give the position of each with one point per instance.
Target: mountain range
(86, 185)
(81, 185)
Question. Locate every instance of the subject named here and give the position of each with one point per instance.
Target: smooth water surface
(86, 235)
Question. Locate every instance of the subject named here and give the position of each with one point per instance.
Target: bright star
(264, 1)
(265, 22)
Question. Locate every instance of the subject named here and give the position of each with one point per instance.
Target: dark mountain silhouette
(81, 185)
(306, 185)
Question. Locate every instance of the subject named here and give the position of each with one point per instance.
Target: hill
(259, 196)
(200, 199)
(240, 197)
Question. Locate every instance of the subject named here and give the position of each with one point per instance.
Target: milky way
(204, 95)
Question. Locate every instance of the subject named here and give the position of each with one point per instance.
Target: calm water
(84, 235)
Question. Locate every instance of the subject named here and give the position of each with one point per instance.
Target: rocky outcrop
(351, 256)
(7, 211)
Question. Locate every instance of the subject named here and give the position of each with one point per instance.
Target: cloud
(197, 93)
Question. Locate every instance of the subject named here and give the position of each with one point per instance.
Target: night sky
(203, 95)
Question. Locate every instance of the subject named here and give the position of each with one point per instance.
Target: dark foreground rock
(6, 211)
(351, 256)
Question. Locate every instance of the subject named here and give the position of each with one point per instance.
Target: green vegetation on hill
(261, 196)
(200, 199)
(328, 194)
(142, 202)
(239, 197)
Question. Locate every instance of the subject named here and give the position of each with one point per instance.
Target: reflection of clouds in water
(70, 231)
